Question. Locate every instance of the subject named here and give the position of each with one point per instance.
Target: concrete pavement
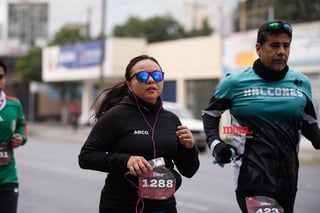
(57, 131)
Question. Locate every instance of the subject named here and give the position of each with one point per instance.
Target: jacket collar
(268, 74)
(131, 99)
(2, 100)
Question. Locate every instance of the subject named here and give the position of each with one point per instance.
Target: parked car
(195, 125)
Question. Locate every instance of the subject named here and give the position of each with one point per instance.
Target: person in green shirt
(12, 135)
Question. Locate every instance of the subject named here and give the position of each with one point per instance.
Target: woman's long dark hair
(112, 96)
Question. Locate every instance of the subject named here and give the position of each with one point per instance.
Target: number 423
(268, 210)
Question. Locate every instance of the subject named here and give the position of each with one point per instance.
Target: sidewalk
(56, 131)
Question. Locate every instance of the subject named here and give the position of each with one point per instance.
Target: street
(51, 181)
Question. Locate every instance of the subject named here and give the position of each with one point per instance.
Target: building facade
(23, 24)
(193, 67)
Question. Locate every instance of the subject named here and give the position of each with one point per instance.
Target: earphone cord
(151, 127)
(153, 145)
(140, 198)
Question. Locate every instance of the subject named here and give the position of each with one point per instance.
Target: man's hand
(222, 152)
(16, 140)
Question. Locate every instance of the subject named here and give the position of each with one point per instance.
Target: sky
(118, 11)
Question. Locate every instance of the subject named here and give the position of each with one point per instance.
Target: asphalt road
(52, 182)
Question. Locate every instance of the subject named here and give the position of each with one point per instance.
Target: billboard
(239, 49)
(72, 62)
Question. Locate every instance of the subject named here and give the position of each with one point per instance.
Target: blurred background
(60, 54)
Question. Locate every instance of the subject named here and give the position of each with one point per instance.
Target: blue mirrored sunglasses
(143, 76)
(278, 25)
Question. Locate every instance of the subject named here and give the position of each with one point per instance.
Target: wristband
(214, 143)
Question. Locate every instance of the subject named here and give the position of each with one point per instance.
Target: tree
(161, 29)
(205, 30)
(67, 36)
(133, 28)
(29, 66)
(157, 29)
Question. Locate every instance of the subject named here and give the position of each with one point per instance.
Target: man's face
(274, 53)
(2, 79)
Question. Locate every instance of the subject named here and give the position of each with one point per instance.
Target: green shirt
(12, 121)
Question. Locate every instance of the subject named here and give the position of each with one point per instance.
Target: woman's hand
(138, 165)
(185, 136)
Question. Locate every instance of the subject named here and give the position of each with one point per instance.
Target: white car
(186, 118)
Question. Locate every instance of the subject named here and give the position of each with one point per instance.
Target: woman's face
(150, 90)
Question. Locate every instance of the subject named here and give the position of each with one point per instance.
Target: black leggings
(9, 197)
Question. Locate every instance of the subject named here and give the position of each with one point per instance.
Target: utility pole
(194, 9)
(221, 14)
(89, 12)
(243, 15)
(102, 39)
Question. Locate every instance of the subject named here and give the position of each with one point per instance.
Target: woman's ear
(129, 85)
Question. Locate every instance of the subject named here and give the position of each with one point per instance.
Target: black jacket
(122, 132)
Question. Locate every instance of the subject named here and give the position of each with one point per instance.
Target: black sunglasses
(1, 76)
(143, 76)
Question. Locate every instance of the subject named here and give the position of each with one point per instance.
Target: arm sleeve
(211, 115)
(96, 153)
(310, 127)
(21, 126)
(211, 121)
(187, 161)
